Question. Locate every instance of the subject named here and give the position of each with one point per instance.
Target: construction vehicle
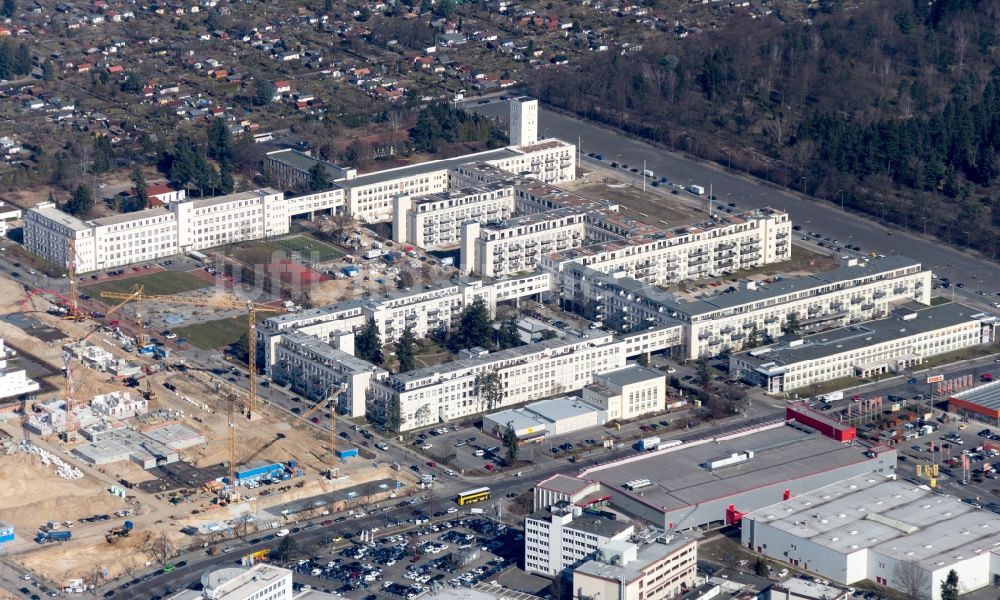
(44, 537)
(116, 533)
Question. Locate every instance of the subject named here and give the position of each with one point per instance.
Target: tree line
(890, 108)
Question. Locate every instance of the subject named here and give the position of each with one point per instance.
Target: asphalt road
(728, 186)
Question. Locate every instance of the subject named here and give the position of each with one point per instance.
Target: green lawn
(309, 248)
(213, 334)
(256, 253)
(166, 282)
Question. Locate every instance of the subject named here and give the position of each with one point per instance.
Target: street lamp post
(841, 194)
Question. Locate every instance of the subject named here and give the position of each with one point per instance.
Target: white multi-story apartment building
(865, 350)
(628, 393)
(13, 382)
(517, 244)
(181, 226)
(435, 221)
(291, 169)
(855, 292)
(318, 370)
(710, 248)
(560, 537)
(446, 392)
(424, 310)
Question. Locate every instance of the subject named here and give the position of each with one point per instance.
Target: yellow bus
(476, 495)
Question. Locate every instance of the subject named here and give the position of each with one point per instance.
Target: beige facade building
(628, 393)
(661, 570)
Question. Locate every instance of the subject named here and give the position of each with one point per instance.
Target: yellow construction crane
(330, 401)
(74, 308)
(221, 302)
(134, 295)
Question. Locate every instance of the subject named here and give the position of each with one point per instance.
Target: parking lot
(428, 556)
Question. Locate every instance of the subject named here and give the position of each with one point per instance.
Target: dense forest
(891, 108)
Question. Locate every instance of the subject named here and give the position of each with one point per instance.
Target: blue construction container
(258, 470)
(350, 271)
(347, 453)
(6, 532)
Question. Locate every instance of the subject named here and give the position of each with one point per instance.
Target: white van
(282, 533)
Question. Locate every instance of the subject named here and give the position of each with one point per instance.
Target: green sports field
(165, 282)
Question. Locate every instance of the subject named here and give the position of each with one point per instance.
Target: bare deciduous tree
(160, 549)
(911, 579)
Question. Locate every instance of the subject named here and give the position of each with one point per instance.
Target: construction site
(129, 452)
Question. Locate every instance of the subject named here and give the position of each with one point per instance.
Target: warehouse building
(902, 341)
(981, 403)
(892, 533)
(715, 480)
(547, 418)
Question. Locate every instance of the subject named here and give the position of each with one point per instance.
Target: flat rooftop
(986, 395)
(318, 346)
(781, 454)
(248, 195)
(303, 162)
(630, 375)
(870, 333)
(425, 167)
(157, 211)
(52, 213)
(646, 555)
(587, 523)
(563, 484)
(894, 518)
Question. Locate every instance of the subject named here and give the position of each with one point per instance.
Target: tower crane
(74, 308)
(221, 302)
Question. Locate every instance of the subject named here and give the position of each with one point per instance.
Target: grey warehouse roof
(986, 395)
(781, 454)
(894, 518)
(856, 337)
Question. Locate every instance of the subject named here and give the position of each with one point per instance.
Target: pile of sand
(31, 494)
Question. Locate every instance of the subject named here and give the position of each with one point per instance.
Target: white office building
(180, 226)
(892, 533)
(13, 382)
(443, 393)
(259, 582)
(625, 570)
(561, 537)
(890, 345)
(434, 221)
(628, 393)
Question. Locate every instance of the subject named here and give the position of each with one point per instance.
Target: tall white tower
(523, 121)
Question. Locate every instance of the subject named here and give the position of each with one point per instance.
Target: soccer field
(309, 248)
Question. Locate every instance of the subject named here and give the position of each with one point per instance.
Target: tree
(81, 203)
(240, 349)
(703, 375)
(263, 92)
(911, 579)
(219, 144)
(475, 327)
(8, 8)
(753, 338)
(791, 325)
(760, 568)
(949, 587)
(104, 155)
(368, 343)
(510, 443)
(508, 335)
(48, 72)
(226, 182)
(319, 178)
(160, 549)
(488, 388)
(445, 9)
(393, 414)
(285, 550)
(139, 188)
(404, 350)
